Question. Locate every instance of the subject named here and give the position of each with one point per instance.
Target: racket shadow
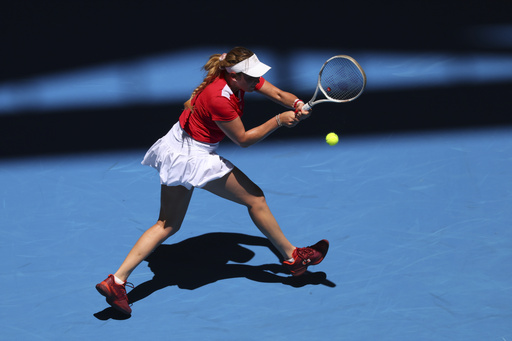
(202, 260)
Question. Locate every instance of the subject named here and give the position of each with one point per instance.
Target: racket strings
(341, 79)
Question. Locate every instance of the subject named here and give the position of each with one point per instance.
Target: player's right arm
(284, 98)
(235, 129)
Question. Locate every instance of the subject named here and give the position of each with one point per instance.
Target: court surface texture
(419, 226)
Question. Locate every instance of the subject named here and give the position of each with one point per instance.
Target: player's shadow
(208, 258)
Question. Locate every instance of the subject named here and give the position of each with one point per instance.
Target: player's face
(247, 83)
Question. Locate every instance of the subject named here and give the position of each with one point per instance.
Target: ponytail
(215, 68)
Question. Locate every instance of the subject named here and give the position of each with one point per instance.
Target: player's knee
(257, 201)
(168, 227)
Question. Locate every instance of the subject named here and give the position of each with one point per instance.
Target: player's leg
(174, 203)
(173, 207)
(237, 187)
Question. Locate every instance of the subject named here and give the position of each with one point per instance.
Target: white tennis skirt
(181, 160)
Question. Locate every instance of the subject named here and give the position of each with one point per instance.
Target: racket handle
(306, 107)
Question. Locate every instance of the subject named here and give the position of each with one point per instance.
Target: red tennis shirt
(216, 102)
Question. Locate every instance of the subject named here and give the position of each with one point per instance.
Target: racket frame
(327, 98)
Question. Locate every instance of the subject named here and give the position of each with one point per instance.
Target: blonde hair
(215, 67)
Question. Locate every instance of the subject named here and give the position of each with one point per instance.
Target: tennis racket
(341, 79)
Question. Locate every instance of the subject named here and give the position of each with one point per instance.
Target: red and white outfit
(186, 155)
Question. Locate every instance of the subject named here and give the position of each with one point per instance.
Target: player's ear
(232, 75)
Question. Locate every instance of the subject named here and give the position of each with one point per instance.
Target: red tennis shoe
(115, 294)
(306, 256)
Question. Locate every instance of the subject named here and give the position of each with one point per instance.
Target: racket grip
(306, 107)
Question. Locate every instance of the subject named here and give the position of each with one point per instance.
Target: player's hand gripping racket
(341, 79)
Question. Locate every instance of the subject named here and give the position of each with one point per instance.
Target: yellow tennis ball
(331, 139)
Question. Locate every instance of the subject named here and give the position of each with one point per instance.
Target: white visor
(250, 66)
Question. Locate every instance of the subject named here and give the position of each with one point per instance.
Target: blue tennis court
(419, 226)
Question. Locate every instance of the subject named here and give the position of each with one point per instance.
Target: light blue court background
(419, 226)
(154, 79)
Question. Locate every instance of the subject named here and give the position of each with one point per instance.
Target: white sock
(291, 260)
(118, 281)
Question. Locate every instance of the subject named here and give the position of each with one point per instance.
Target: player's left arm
(284, 98)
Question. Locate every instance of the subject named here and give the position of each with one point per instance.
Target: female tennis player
(186, 158)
